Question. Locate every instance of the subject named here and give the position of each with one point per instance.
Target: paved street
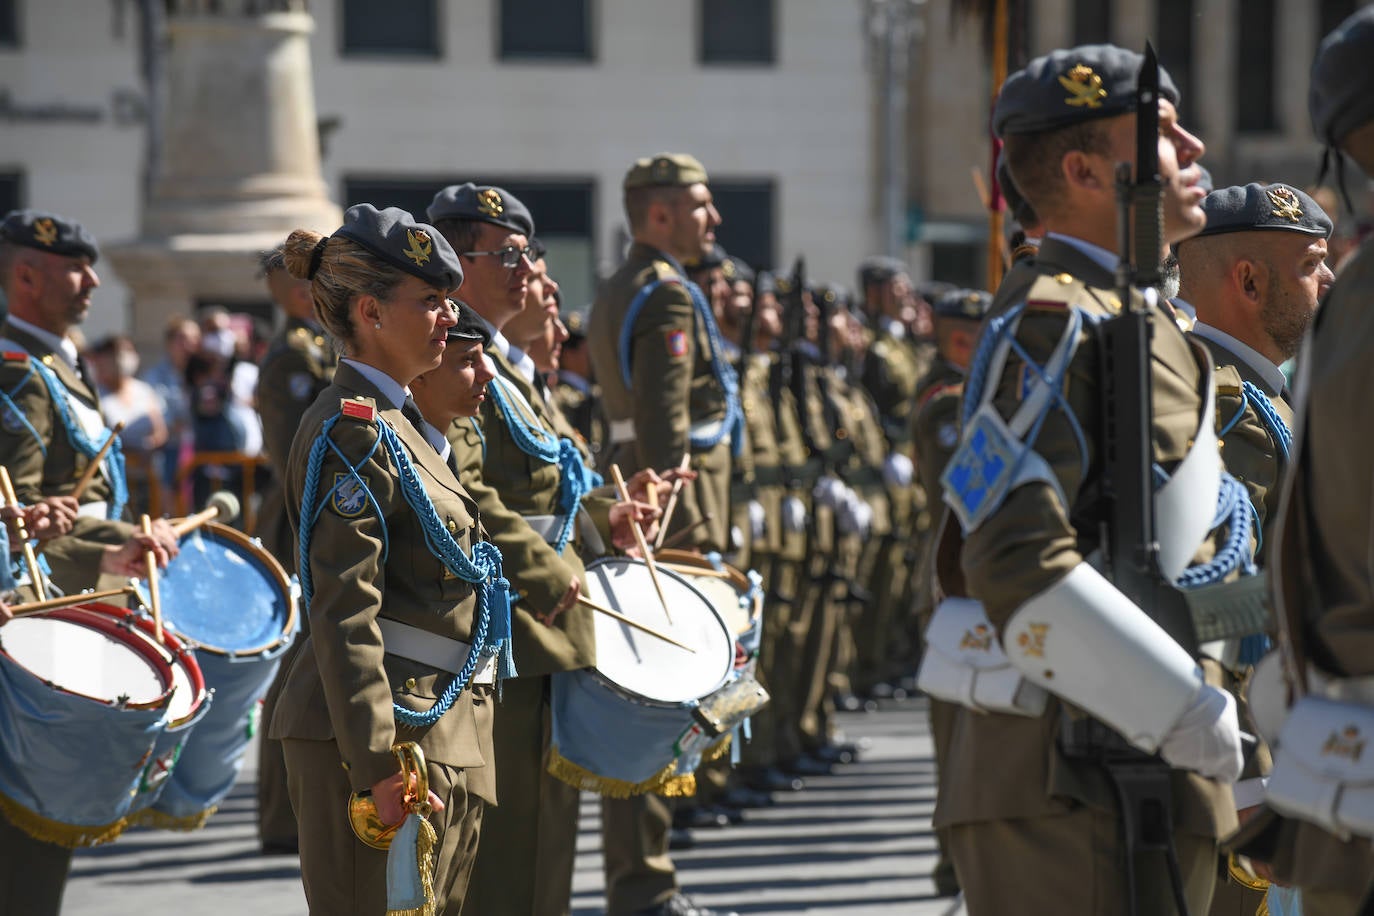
(857, 843)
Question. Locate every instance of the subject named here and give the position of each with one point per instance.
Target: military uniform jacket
(858, 422)
(1325, 541)
(508, 484)
(579, 401)
(52, 467)
(765, 478)
(935, 421)
(671, 386)
(343, 682)
(891, 373)
(1009, 766)
(299, 365)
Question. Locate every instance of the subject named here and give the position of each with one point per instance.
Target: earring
(378, 325)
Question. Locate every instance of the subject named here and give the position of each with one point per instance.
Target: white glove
(793, 515)
(898, 471)
(863, 516)
(1207, 737)
(758, 519)
(852, 514)
(829, 491)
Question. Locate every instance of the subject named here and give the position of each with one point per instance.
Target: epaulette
(1055, 292)
(955, 388)
(15, 356)
(359, 408)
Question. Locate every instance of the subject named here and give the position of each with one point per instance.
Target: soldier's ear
(1250, 279)
(1085, 171)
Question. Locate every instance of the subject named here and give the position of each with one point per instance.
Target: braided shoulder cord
(1283, 436)
(1235, 511)
(114, 460)
(7, 397)
(993, 331)
(482, 569)
(575, 479)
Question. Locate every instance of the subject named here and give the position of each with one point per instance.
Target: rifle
(1142, 781)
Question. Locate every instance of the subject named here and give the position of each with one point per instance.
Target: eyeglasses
(510, 255)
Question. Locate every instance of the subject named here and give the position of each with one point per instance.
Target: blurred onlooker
(181, 340)
(125, 399)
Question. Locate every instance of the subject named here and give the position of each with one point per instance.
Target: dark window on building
(960, 263)
(11, 191)
(1176, 19)
(562, 210)
(404, 28)
(747, 210)
(1092, 22)
(1255, 67)
(737, 31)
(9, 23)
(1333, 13)
(545, 29)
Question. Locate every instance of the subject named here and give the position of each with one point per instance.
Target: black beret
(665, 170)
(930, 290)
(765, 282)
(831, 296)
(1016, 203)
(48, 232)
(969, 304)
(879, 269)
(736, 271)
(394, 236)
(1268, 207)
(1072, 86)
(470, 326)
(576, 323)
(1342, 93)
(481, 203)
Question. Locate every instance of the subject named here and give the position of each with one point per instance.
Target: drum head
(89, 655)
(644, 665)
(186, 675)
(225, 593)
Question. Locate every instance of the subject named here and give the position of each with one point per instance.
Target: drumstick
(154, 600)
(696, 570)
(89, 474)
(631, 622)
(624, 492)
(686, 532)
(672, 501)
(222, 505)
(30, 558)
(35, 607)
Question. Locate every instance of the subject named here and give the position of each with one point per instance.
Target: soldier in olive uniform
(578, 396)
(395, 572)
(299, 365)
(1254, 276)
(50, 422)
(668, 392)
(1033, 822)
(1321, 554)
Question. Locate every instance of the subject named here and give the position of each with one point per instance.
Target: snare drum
(617, 727)
(733, 593)
(190, 699)
(230, 599)
(83, 701)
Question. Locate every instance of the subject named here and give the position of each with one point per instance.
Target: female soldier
(396, 577)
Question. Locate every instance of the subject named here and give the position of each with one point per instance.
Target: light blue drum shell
(69, 758)
(229, 598)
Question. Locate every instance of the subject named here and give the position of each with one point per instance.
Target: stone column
(239, 165)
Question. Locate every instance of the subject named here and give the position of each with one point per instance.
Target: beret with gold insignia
(736, 271)
(665, 170)
(969, 304)
(1254, 207)
(48, 232)
(576, 323)
(1341, 96)
(394, 236)
(484, 204)
(765, 282)
(879, 269)
(1070, 87)
(470, 325)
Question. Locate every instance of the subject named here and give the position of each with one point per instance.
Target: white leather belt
(1347, 690)
(622, 431)
(549, 527)
(433, 650)
(97, 509)
(707, 429)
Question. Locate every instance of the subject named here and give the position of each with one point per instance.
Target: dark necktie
(411, 410)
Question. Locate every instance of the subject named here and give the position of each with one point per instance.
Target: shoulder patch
(676, 341)
(947, 435)
(301, 384)
(348, 497)
(10, 419)
(359, 408)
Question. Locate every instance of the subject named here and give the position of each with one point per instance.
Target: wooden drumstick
(686, 532)
(154, 599)
(705, 571)
(631, 622)
(624, 492)
(672, 501)
(222, 505)
(30, 558)
(94, 467)
(36, 607)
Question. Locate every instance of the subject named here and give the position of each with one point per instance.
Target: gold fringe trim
(187, 823)
(718, 750)
(661, 783)
(47, 830)
(425, 839)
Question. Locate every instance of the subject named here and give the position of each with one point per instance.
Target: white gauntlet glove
(793, 515)
(758, 518)
(1207, 738)
(829, 492)
(898, 471)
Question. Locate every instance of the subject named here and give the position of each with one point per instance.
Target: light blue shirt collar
(1272, 374)
(396, 396)
(1107, 259)
(57, 344)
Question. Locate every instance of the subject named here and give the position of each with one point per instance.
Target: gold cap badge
(1084, 86)
(420, 246)
(489, 203)
(1285, 203)
(45, 231)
